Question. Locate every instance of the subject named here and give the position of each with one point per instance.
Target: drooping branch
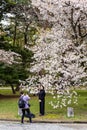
(80, 32)
(76, 17)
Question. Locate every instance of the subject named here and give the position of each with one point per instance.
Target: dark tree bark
(13, 90)
(25, 35)
(15, 30)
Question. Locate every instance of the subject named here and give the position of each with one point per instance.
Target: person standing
(26, 108)
(41, 96)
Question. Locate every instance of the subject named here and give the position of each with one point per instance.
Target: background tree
(5, 6)
(15, 58)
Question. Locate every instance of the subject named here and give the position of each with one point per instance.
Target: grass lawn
(9, 108)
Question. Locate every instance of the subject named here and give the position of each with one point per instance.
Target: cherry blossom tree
(61, 51)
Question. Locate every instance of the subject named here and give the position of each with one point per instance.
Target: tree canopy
(15, 57)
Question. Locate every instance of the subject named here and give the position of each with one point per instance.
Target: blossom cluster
(8, 57)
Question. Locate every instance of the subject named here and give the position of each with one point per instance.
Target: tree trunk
(15, 29)
(25, 35)
(13, 90)
(17, 88)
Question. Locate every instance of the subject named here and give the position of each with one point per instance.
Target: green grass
(9, 108)
(7, 91)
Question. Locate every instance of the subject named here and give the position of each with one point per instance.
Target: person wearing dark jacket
(41, 96)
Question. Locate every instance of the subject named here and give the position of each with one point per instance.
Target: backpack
(21, 103)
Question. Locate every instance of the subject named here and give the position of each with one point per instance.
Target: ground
(5, 125)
